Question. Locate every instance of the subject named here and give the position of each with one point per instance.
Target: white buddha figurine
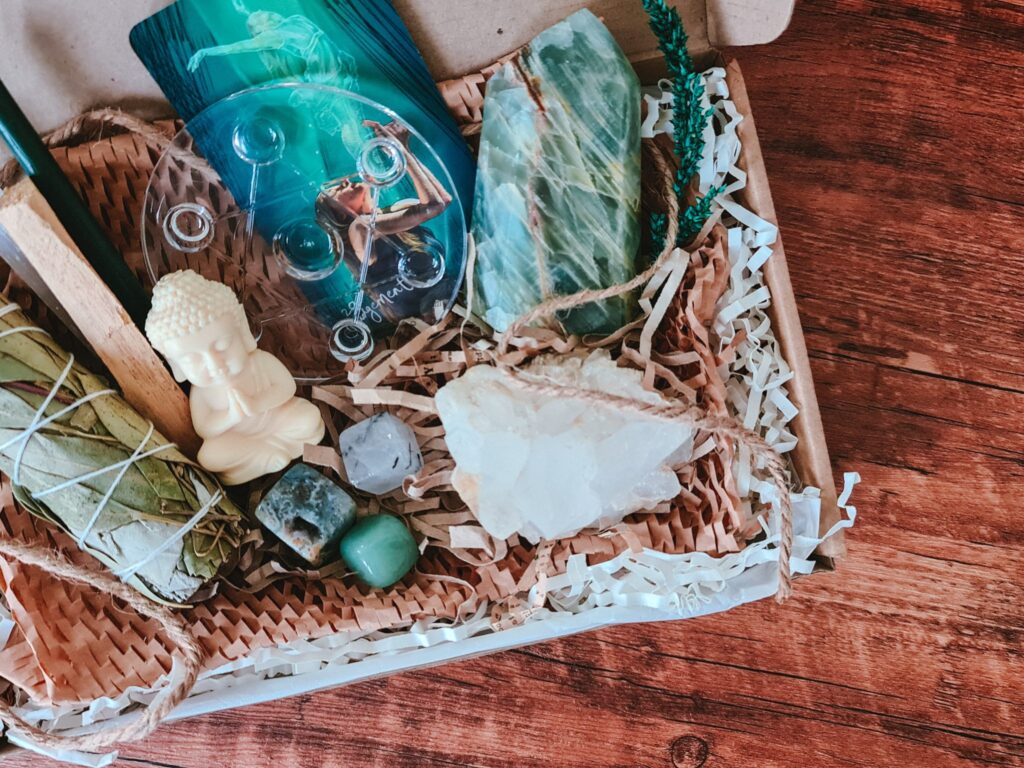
(243, 399)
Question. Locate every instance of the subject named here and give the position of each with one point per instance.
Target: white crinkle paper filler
(757, 373)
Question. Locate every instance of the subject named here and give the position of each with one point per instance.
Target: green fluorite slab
(558, 188)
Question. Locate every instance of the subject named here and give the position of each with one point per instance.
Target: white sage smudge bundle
(82, 458)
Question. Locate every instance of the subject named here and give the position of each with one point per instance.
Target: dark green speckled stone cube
(307, 512)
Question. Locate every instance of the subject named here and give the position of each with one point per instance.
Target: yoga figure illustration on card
(388, 249)
(293, 48)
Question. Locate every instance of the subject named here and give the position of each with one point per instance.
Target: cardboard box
(57, 70)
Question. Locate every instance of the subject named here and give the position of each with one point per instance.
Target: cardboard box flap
(57, 70)
(471, 34)
(747, 22)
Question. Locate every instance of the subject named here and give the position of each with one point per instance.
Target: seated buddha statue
(242, 399)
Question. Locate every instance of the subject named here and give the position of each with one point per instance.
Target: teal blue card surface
(200, 51)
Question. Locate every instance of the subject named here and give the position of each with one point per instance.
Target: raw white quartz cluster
(547, 467)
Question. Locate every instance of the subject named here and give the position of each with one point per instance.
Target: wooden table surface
(893, 139)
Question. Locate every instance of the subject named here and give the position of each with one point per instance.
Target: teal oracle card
(323, 123)
(200, 51)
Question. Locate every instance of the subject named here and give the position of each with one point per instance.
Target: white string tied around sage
(126, 573)
(121, 467)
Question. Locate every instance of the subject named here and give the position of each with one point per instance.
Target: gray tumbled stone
(379, 453)
(307, 512)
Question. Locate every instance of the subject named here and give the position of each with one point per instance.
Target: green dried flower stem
(689, 117)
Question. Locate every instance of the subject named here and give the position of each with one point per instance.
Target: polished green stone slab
(557, 205)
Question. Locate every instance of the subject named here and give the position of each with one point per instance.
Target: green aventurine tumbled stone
(557, 206)
(380, 550)
(307, 512)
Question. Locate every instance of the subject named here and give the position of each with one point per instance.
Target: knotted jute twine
(189, 652)
(722, 427)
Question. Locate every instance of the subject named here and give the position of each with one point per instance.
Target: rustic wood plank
(891, 134)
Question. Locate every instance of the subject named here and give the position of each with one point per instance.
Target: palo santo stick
(145, 382)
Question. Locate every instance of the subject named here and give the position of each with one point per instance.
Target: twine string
(726, 428)
(190, 652)
(58, 566)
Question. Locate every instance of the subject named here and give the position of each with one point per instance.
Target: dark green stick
(82, 228)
